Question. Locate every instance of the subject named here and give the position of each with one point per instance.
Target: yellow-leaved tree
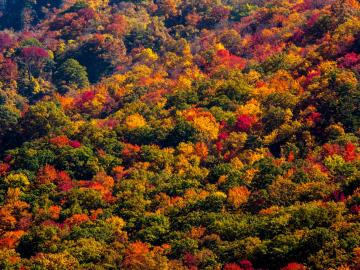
(204, 122)
(95, 4)
(237, 196)
(135, 121)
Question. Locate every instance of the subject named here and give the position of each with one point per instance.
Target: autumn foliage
(175, 134)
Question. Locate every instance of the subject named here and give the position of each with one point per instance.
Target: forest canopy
(170, 134)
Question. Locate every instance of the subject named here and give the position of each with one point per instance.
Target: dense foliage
(169, 134)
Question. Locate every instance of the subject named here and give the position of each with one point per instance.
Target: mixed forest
(178, 134)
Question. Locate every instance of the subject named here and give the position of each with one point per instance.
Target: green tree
(44, 118)
(8, 120)
(71, 74)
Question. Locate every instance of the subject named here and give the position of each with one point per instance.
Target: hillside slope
(177, 134)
